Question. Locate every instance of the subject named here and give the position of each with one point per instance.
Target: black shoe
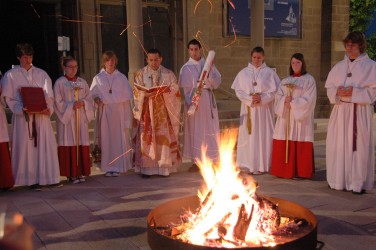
(36, 187)
(361, 192)
(145, 176)
(194, 168)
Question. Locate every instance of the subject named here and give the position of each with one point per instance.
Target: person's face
(352, 50)
(257, 58)
(296, 65)
(110, 65)
(154, 61)
(71, 69)
(194, 52)
(26, 61)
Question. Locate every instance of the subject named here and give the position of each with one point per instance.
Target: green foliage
(361, 14)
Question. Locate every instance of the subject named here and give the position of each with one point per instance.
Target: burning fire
(230, 214)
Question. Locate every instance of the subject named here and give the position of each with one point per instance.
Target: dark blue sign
(281, 18)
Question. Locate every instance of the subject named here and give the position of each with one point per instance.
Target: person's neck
(73, 78)
(26, 67)
(110, 71)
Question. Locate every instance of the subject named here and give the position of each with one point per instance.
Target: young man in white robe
(72, 165)
(157, 118)
(34, 157)
(351, 87)
(113, 97)
(255, 86)
(202, 128)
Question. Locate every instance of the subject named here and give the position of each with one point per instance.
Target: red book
(33, 99)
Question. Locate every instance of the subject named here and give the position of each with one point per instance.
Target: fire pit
(227, 213)
(170, 213)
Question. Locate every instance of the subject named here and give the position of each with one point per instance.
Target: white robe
(254, 150)
(201, 128)
(302, 109)
(66, 122)
(31, 165)
(346, 169)
(115, 120)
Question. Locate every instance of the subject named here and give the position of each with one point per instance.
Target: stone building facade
(129, 26)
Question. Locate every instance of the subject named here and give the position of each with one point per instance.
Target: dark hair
(154, 51)
(358, 38)
(24, 49)
(258, 49)
(194, 42)
(65, 60)
(300, 57)
(107, 55)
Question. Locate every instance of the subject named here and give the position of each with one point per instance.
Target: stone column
(135, 51)
(257, 23)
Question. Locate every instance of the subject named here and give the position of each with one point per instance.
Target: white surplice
(345, 168)
(201, 128)
(302, 109)
(254, 150)
(66, 122)
(31, 165)
(115, 120)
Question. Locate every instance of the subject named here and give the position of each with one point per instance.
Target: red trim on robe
(67, 161)
(6, 173)
(301, 162)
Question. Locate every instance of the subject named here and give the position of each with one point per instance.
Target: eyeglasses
(72, 67)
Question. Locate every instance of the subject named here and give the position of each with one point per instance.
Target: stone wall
(230, 60)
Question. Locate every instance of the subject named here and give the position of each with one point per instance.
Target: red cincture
(296, 74)
(72, 79)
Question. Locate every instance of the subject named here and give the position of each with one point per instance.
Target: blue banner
(281, 18)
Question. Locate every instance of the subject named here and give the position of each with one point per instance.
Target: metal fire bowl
(169, 212)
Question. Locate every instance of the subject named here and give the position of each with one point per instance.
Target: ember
(229, 214)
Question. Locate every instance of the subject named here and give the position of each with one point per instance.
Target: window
(281, 18)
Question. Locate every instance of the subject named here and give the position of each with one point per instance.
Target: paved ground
(110, 212)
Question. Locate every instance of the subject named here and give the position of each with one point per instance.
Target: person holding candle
(255, 87)
(74, 165)
(202, 127)
(295, 101)
(113, 97)
(351, 87)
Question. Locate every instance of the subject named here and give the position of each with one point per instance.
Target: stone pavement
(110, 212)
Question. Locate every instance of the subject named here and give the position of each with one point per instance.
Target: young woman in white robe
(351, 85)
(201, 128)
(113, 96)
(66, 107)
(255, 87)
(34, 159)
(296, 106)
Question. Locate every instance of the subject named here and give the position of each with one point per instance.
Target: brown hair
(65, 60)
(107, 55)
(24, 49)
(258, 50)
(358, 38)
(300, 57)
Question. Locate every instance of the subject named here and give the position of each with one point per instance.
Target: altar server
(351, 87)
(295, 103)
(113, 96)
(255, 86)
